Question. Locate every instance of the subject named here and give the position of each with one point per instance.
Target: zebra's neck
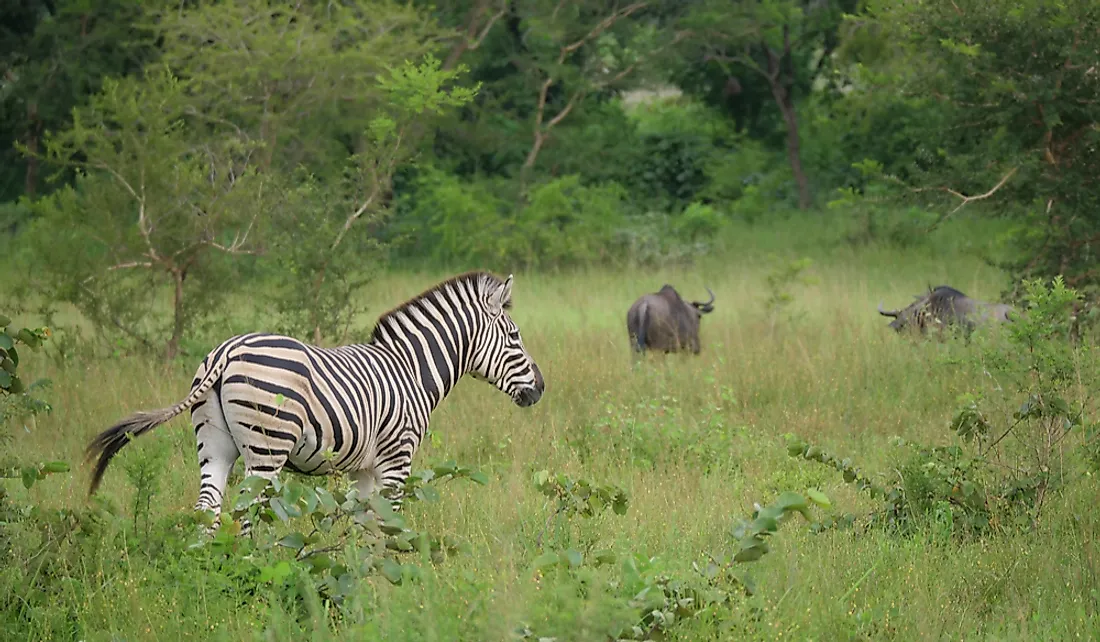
(436, 352)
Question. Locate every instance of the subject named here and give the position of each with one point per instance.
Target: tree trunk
(30, 178)
(780, 77)
(173, 347)
(794, 144)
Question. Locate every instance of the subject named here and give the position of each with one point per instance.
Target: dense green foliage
(553, 153)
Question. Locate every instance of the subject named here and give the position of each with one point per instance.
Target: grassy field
(695, 441)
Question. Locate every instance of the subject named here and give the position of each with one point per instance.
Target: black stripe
(268, 452)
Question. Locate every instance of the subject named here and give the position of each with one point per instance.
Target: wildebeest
(663, 321)
(944, 306)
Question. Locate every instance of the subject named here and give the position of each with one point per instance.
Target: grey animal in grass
(362, 409)
(663, 321)
(944, 306)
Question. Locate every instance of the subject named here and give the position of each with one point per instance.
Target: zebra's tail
(107, 443)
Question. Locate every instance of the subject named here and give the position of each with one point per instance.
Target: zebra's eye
(514, 335)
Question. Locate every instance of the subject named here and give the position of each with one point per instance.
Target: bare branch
(602, 26)
(488, 25)
(472, 38)
(963, 197)
(130, 264)
(233, 248)
(541, 131)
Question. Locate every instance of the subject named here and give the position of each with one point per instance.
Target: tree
(605, 43)
(53, 56)
(773, 41)
(1018, 85)
(300, 78)
(152, 206)
(327, 239)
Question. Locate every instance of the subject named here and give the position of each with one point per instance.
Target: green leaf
(56, 467)
(4, 321)
(5, 379)
(446, 468)
(818, 497)
(391, 570)
(319, 563)
(29, 475)
(574, 558)
(749, 554)
(546, 559)
(280, 508)
(428, 494)
(791, 500)
(479, 478)
(295, 541)
(619, 506)
(276, 573)
(29, 338)
(6, 342)
(326, 500)
(16, 385)
(382, 507)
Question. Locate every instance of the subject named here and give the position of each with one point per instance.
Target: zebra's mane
(469, 278)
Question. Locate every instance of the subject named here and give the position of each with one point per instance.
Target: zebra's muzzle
(528, 397)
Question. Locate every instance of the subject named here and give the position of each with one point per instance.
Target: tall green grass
(695, 440)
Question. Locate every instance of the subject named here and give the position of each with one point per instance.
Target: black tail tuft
(107, 443)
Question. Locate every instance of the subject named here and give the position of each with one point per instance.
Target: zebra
(361, 409)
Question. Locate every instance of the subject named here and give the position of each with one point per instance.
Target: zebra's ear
(501, 299)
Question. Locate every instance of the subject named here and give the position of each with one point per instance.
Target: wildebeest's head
(664, 321)
(944, 306)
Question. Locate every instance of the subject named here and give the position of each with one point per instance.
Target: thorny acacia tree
(151, 206)
(326, 240)
(182, 171)
(321, 87)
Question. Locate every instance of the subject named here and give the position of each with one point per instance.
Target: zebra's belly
(306, 458)
(353, 453)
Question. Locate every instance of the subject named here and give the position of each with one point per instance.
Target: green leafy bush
(1015, 436)
(565, 222)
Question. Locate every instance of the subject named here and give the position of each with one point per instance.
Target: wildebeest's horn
(709, 305)
(885, 313)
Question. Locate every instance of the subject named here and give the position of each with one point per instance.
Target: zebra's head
(499, 356)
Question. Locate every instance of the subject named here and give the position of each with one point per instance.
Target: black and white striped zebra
(361, 409)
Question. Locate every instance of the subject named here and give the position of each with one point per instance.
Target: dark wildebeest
(663, 321)
(945, 306)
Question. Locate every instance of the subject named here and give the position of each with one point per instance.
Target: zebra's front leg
(393, 482)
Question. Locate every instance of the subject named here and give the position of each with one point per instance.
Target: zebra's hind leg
(260, 461)
(217, 454)
(252, 471)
